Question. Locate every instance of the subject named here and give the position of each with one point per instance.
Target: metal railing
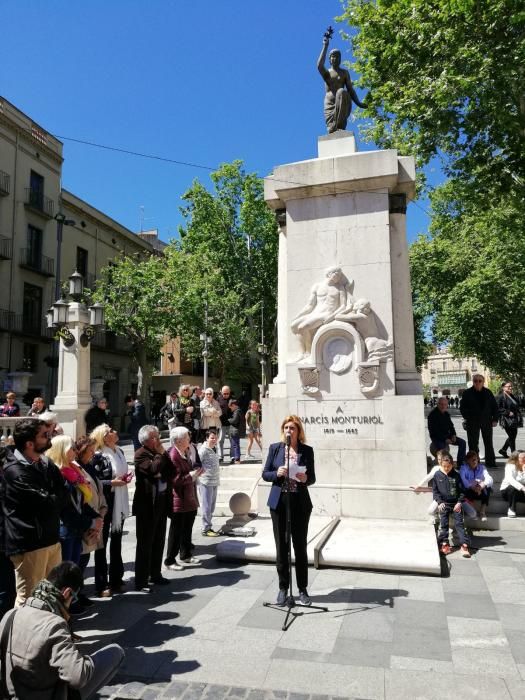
(110, 341)
(6, 248)
(5, 183)
(36, 199)
(17, 323)
(6, 319)
(37, 262)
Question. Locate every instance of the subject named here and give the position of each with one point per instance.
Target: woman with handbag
(93, 539)
(510, 417)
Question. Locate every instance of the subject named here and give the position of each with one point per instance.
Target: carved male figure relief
(328, 299)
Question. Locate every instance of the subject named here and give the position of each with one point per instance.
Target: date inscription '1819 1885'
(363, 419)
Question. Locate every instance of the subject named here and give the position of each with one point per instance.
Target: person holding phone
(292, 458)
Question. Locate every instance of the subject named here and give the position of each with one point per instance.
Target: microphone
(288, 440)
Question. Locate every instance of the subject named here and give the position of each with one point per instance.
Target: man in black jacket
(480, 411)
(96, 415)
(33, 496)
(150, 507)
(442, 431)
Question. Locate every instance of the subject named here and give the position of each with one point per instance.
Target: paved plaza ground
(385, 635)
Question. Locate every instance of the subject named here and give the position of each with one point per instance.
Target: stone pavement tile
(464, 605)
(472, 585)
(153, 692)
(415, 613)
(512, 616)
(195, 691)
(154, 664)
(411, 663)
(434, 685)
(326, 678)
(516, 689)
(463, 567)
(475, 633)
(422, 588)
(260, 617)
(494, 558)
(175, 689)
(348, 652)
(237, 693)
(362, 652)
(131, 690)
(498, 574)
(374, 595)
(521, 671)
(487, 662)
(242, 667)
(516, 639)
(242, 641)
(375, 624)
(216, 692)
(313, 630)
(221, 615)
(422, 642)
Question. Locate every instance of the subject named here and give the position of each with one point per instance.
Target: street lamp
(76, 325)
(206, 339)
(262, 350)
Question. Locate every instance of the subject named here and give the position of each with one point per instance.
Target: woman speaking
(300, 457)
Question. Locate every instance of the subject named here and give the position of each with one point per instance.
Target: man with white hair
(224, 400)
(150, 507)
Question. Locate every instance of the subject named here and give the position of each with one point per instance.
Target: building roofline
(71, 199)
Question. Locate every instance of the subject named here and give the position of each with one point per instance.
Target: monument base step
(392, 545)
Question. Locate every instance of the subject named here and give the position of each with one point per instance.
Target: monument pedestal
(74, 373)
(346, 351)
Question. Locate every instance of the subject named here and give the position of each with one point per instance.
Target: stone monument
(346, 357)
(346, 350)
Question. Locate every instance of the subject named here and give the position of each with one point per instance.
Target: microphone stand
(290, 600)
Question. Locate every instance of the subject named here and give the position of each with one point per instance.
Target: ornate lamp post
(206, 339)
(76, 325)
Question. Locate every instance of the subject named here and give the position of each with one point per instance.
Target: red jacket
(184, 498)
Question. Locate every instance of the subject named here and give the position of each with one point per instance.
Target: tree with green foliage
(138, 307)
(446, 78)
(225, 267)
(471, 272)
(446, 81)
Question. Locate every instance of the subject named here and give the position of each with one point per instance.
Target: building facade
(31, 197)
(446, 375)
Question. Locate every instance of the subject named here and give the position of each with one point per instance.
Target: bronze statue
(337, 100)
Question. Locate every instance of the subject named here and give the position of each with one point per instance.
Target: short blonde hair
(60, 444)
(298, 424)
(98, 435)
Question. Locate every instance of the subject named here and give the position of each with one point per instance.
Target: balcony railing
(6, 248)
(16, 323)
(37, 201)
(6, 319)
(37, 262)
(5, 183)
(30, 326)
(110, 341)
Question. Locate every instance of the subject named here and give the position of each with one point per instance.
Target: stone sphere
(240, 504)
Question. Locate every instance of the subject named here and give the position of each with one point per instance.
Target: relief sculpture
(331, 302)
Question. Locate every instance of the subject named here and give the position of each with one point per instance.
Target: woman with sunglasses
(510, 417)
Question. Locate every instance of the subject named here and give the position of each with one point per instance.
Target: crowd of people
(63, 499)
(457, 487)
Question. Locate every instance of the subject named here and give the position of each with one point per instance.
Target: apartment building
(447, 375)
(31, 198)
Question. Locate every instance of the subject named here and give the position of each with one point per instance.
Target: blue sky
(202, 83)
